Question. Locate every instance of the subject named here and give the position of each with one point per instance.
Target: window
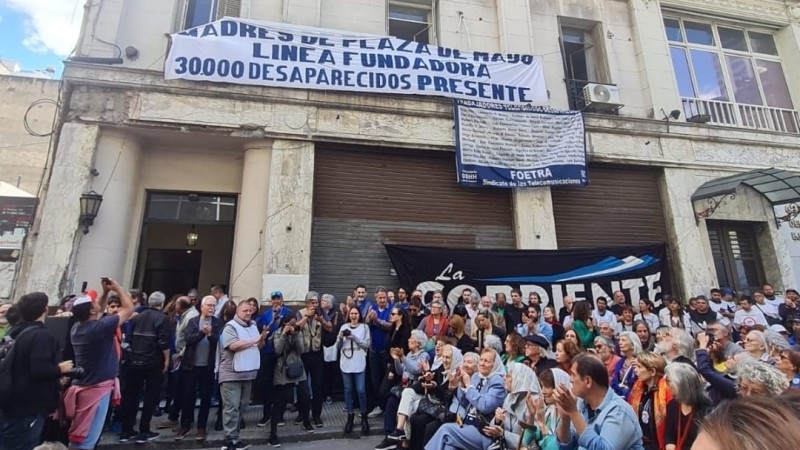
(411, 20)
(199, 12)
(730, 74)
(583, 56)
(191, 208)
(736, 256)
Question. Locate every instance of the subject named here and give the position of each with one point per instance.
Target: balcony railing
(741, 115)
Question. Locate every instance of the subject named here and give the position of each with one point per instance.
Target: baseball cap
(81, 300)
(276, 294)
(92, 294)
(778, 328)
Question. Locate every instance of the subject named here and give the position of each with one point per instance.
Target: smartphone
(105, 280)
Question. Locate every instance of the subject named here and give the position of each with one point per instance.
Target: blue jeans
(22, 433)
(357, 379)
(93, 436)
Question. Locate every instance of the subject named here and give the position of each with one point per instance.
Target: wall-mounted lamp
(191, 238)
(90, 206)
(675, 114)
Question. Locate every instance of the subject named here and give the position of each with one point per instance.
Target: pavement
(333, 419)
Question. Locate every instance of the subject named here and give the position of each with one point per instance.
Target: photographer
(289, 373)
(310, 324)
(35, 371)
(93, 340)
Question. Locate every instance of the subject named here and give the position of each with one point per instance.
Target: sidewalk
(333, 418)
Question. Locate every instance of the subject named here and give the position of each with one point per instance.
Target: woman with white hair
(412, 366)
(624, 375)
(758, 378)
(755, 344)
(520, 382)
(478, 397)
(688, 407)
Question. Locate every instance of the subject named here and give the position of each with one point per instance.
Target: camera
(318, 312)
(710, 335)
(346, 333)
(76, 373)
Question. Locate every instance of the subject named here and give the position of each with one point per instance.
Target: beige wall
(23, 156)
(182, 169)
(216, 243)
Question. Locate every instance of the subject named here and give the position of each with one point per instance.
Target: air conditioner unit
(602, 95)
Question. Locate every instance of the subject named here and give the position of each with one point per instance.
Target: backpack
(7, 355)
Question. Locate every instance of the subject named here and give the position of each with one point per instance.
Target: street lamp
(90, 205)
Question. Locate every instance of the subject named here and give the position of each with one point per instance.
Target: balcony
(741, 115)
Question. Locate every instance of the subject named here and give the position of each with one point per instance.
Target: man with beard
(677, 346)
(703, 316)
(716, 304)
(601, 314)
(619, 302)
(771, 297)
(788, 310)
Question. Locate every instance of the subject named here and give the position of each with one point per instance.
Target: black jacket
(192, 335)
(399, 338)
(149, 337)
(35, 371)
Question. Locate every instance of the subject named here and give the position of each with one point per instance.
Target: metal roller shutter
(620, 206)
(364, 198)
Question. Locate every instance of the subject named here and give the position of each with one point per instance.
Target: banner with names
(244, 51)
(517, 146)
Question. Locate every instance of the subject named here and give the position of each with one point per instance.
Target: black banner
(585, 274)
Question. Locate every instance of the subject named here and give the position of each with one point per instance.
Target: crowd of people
(715, 372)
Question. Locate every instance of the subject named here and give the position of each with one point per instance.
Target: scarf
(443, 326)
(550, 413)
(523, 381)
(660, 401)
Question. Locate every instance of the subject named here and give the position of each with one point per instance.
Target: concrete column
(247, 267)
(60, 210)
(104, 251)
(658, 77)
(534, 226)
(692, 259)
(287, 255)
(788, 42)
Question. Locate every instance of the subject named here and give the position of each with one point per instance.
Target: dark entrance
(172, 271)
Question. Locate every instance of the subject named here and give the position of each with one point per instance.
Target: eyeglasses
(394, 314)
(413, 310)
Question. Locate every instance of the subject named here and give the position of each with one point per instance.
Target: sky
(39, 33)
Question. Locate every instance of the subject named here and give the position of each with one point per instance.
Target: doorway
(186, 242)
(172, 271)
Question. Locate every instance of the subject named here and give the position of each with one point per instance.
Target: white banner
(244, 51)
(519, 146)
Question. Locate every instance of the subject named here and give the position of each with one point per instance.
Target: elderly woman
(688, 407)
(288, 343)
(520, 382)
(478, 397)
(757, 378)
(624, 375)
(436, 324)
(755, 344)
(542, 412)
(410, 366)
(424, 425)
(605, 350)
(646, 336)
(649, 397)
(788, 363)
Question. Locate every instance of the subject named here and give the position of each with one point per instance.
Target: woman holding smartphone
(353, 343)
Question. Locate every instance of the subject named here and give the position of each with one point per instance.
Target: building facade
(294, 189)
(26, 120)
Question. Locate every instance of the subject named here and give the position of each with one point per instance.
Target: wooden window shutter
(230, 8)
